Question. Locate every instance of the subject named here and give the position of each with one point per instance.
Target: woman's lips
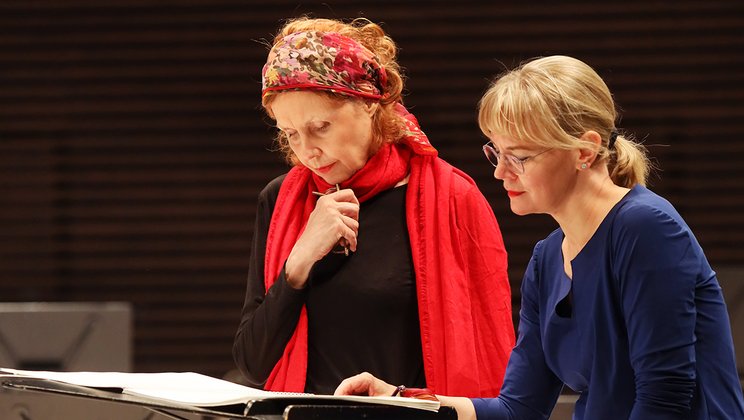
(324, 169)
(513, 194)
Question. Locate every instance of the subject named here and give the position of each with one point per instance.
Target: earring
(584, 166)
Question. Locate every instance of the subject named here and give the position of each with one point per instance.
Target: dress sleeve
(530, 387)
(268, 320)
(656, 266)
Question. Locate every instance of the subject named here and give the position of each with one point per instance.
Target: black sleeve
(268, 319)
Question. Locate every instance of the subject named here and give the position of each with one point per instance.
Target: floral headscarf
(323, 61)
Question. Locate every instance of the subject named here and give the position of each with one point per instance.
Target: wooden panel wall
(132, 145)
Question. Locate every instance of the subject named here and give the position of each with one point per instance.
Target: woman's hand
(335, 218)
(364, 384)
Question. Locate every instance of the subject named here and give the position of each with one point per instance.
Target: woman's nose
(309, 150)
(499, 171)
(502, 170)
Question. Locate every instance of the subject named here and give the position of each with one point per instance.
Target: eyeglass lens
(494, 158)
(491, 155)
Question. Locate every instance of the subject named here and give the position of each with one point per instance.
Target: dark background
(132, 143)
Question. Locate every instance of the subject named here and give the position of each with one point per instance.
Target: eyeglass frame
(516, 164)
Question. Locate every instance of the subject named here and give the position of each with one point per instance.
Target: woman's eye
(292, 139)
(520, 157)
(322, 127)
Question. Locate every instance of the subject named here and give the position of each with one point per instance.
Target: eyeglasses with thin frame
(513, 163)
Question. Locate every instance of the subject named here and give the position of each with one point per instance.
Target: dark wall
(132, 145)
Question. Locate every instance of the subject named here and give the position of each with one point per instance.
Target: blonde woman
(619, 303)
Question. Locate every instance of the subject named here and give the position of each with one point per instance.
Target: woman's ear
(588, 154)
(370, 107)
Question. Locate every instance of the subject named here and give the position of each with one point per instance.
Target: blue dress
(641, 332)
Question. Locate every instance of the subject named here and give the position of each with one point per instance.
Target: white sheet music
(198, 390)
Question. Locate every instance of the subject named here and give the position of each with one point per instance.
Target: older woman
(371, 253)
(619, 303)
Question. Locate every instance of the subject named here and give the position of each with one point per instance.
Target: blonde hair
(552, 102)
(387, 125)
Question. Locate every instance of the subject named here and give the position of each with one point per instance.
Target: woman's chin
(331, 179)
(519, 210)
(334, 177)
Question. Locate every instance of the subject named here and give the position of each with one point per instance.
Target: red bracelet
(418, 393)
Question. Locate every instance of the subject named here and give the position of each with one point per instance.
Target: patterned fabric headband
(323, 61)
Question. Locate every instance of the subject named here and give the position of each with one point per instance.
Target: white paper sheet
(198, 390)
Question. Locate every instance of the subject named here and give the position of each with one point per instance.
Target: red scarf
(450, 342)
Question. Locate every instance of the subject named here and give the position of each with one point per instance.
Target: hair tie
(611, 141)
